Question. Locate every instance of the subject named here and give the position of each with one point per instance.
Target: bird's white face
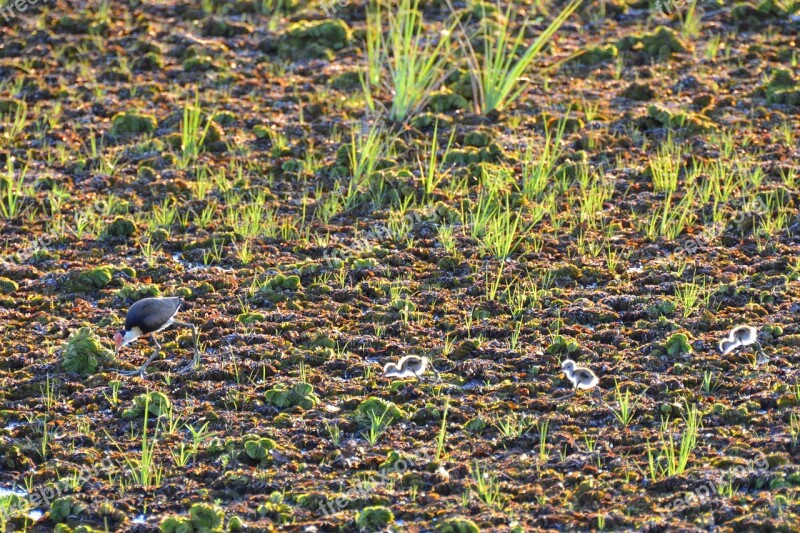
(123, 338)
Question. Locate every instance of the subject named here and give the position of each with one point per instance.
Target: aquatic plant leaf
(206, 517)
(377, 407)
(176, 524)
(258, 447)
(458, 525)
(156, 404)
(374, 518)
(84, 353)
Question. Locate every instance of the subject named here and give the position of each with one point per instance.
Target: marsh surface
(631, 207)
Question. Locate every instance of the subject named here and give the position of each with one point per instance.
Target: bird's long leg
(570, 395)
(141, 370)
(196, 359)
(436, 372)
(762, 357)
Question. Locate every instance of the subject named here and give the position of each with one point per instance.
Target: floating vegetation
(202, 517)
(299, 395)
(376, 518)
(88, 280)
(84, 354)
(333, 187)
(153, 403)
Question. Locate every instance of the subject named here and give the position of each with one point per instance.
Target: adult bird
(149, 316)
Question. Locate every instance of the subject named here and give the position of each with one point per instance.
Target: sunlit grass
(626, 407)
(434, 170)
(193, 134)
(537, 169)
(487, 487)
(499, 76)
(416, 62)
(665, 167)
(692, 295)
(12, 193)
(495, 225)
(671, 460)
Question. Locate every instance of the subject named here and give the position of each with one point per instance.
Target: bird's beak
(117, 343)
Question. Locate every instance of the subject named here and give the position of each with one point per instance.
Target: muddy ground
(302, 291)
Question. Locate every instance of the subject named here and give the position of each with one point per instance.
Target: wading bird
(149, 316)
(739, 337)
(409, 366)
(581, 377)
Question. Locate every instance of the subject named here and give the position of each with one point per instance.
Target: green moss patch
(132, 123)
(314, 39)
(660, 43)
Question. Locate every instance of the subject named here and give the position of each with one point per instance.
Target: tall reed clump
(416, 62)
(498, 77)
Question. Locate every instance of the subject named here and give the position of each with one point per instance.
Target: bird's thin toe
(187, 369)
